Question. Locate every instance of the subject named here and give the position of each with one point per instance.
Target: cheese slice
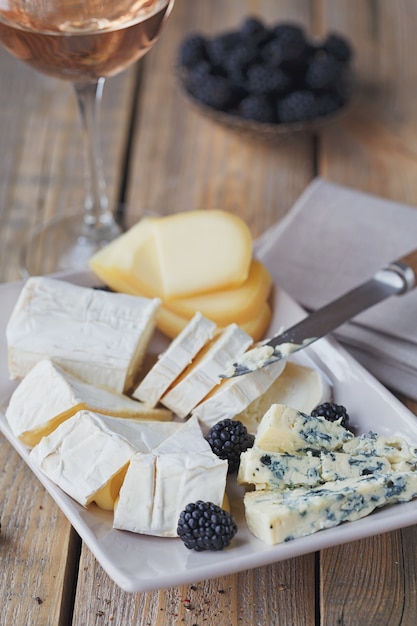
(84, 454)
(158, 486)
(175, 359)
(234, 395)
(172, 324)
(202, 375)
(274, 470)
(298, 387)
(97, 336)
(48, 395)
(225, 306)
(278, 516)
(395, 448)
(200, 251)
(283, 429)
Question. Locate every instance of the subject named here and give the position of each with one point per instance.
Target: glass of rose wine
(82, 41)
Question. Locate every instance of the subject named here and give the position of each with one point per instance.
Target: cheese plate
(139, 563)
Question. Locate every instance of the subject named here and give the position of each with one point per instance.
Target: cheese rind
(276, 517)
(175, 359)
(234, 395)
(283, 429)
(48, 395)
(202, 375)
(97, 336)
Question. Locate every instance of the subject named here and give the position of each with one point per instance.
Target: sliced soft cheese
(48, 395)
(278, 516)
(283, 429)
(175, 359)
(298, 387)
(273, 470)
(87, 451)
(202, 375)
(159, 485)
(225, 306)
(234, 395)
(97, 336)
(172, 324)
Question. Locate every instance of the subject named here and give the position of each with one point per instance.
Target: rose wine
(81, 40)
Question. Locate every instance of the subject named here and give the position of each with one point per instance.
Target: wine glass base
(60, 245)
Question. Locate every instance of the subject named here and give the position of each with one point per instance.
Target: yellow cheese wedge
(178, 255)
(171, 324)
(238, 304)
(199, 251)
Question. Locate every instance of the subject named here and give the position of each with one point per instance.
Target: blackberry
(257, 108)
(338, 47)
(265, 80)
(322, 73)
(192, 50)
(288, 46)
(327, 103)
(205, 526)
(332, 412)
(254, 30)
(219, 47)
(297, 106)
(211, 90)
(228, 439)
(241, 57)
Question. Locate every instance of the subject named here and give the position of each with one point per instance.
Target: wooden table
(162, 155)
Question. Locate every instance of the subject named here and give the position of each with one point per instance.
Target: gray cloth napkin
(333, 239)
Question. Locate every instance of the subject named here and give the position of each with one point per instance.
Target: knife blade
(396, 278)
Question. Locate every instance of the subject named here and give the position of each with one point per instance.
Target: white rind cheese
(48, 395)
(276, 517)
(97, 336)
(158, 485)
(175, 359)
(284, 429)
(234, 395)
(203, 373)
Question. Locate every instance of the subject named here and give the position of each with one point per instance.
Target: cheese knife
(396, 278)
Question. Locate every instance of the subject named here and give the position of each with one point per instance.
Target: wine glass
(82, 41)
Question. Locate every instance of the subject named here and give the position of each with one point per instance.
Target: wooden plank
(37, 578)
(374, 150)
(180, 161)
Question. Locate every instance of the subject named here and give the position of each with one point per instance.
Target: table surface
(160, 154)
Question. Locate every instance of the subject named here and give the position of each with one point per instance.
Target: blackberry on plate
(206, 526)
(332, 412)
(192, 50)
(297, 106)
(228, 439)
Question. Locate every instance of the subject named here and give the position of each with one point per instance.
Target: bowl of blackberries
(267, 79)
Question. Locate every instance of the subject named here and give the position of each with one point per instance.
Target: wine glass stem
(99, 223)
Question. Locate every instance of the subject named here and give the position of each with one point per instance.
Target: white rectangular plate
(140, 563)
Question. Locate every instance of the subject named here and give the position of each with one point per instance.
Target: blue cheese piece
(48, 395)
(283, 429)
(234, 395)
(272, 470)
(395, 448)
(99, 337)
(87, 451)
(202, 375)
(340, 465)
(179, 354)
(159, 485)
(276, 517)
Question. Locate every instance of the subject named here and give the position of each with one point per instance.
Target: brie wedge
(97, 336)
(87, 451)
(175, 359)
(48, 395)
(202, 375)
